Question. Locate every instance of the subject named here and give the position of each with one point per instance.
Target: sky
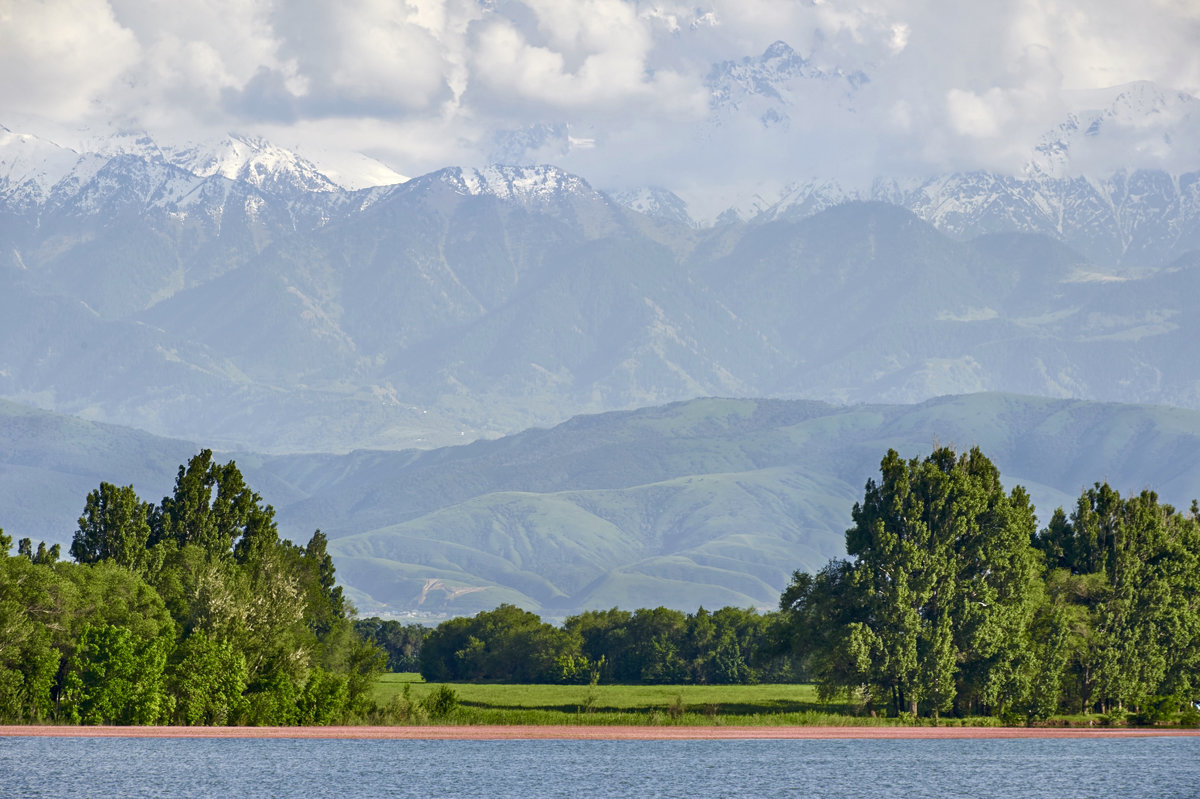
(623, 92)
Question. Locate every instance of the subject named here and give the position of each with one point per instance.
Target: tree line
(951, 602)
(646, 646)
(191, 611)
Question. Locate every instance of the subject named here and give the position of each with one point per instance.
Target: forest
(192, 611)
(951, 603)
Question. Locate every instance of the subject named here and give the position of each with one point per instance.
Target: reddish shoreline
(597, 733)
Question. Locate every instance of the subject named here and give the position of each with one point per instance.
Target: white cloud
(976, 116)
(585, 58)
(61, 59)
(365, 56)
(424, 83)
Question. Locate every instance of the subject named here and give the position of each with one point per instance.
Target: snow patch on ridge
(532, 184)
(254, 161)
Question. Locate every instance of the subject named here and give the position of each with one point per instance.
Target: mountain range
(235, 295)
(709, 502)
(482, 382)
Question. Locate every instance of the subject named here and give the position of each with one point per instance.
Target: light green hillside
(709, 502)
(739, 534)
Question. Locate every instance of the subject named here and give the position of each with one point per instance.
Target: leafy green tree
(656, 651)
(899, 539)
(194, 611)
(933, 613)
(726, 647)
(604, 638)
(208, 682)
(502, 645)
(401, 642)
(212, 508)
(1124, 575)
(43, 554)
(112, 678)
(29, 661)
(324, 699)
(106, 594)
(819, 614)
(273, 700)
(115, 525)
(323, 596)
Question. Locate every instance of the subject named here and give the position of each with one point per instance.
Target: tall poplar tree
(937, 602)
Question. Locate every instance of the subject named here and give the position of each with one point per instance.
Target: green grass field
(685, 705)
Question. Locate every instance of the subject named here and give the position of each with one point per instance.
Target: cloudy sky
(624, 92)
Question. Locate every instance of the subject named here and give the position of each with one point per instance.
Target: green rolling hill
(707, 502)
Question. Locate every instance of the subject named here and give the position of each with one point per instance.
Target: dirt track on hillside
(585, 733)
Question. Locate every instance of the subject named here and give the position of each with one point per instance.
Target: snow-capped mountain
(1141, 214)
(1132, 219)
(536, 185)
(772, 85)
(657, 202)
(254, 161)
(30, 167)
(35, 166)
(1138, 125)
(235, 288)
(1116, 178)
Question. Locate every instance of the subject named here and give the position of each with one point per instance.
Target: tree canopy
(953, 602)
(192, 611)
(950, 601)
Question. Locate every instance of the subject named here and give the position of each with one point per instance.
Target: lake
(33, 768)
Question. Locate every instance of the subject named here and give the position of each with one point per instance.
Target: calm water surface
(227, 769)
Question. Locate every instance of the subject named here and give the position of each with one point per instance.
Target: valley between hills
(709, 502)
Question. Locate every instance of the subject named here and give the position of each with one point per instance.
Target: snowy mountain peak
(772, 86)
(133, 142)
(809, 197)
(781, 51)
(255, 161)
(657, 202)
(528, 184)
(759, 75)
(33, 162)
(770, 76)
(1134, 126)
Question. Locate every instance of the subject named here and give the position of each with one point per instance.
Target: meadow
(408, 697)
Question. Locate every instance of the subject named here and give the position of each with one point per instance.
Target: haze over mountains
(337, 327)
(236, 295)
(707, 502)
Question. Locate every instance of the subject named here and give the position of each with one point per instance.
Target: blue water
(32, 768)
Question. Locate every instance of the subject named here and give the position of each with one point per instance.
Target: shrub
(441, 703)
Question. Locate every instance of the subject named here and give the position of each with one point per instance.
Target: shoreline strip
(591, 733)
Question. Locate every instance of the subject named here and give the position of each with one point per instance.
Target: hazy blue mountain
(708, 502)
(712, 501)
(232, 295)
(1116, 179)
(49, 463)
(1136, 219)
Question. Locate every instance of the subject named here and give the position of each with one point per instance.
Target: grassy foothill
(409, 700)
